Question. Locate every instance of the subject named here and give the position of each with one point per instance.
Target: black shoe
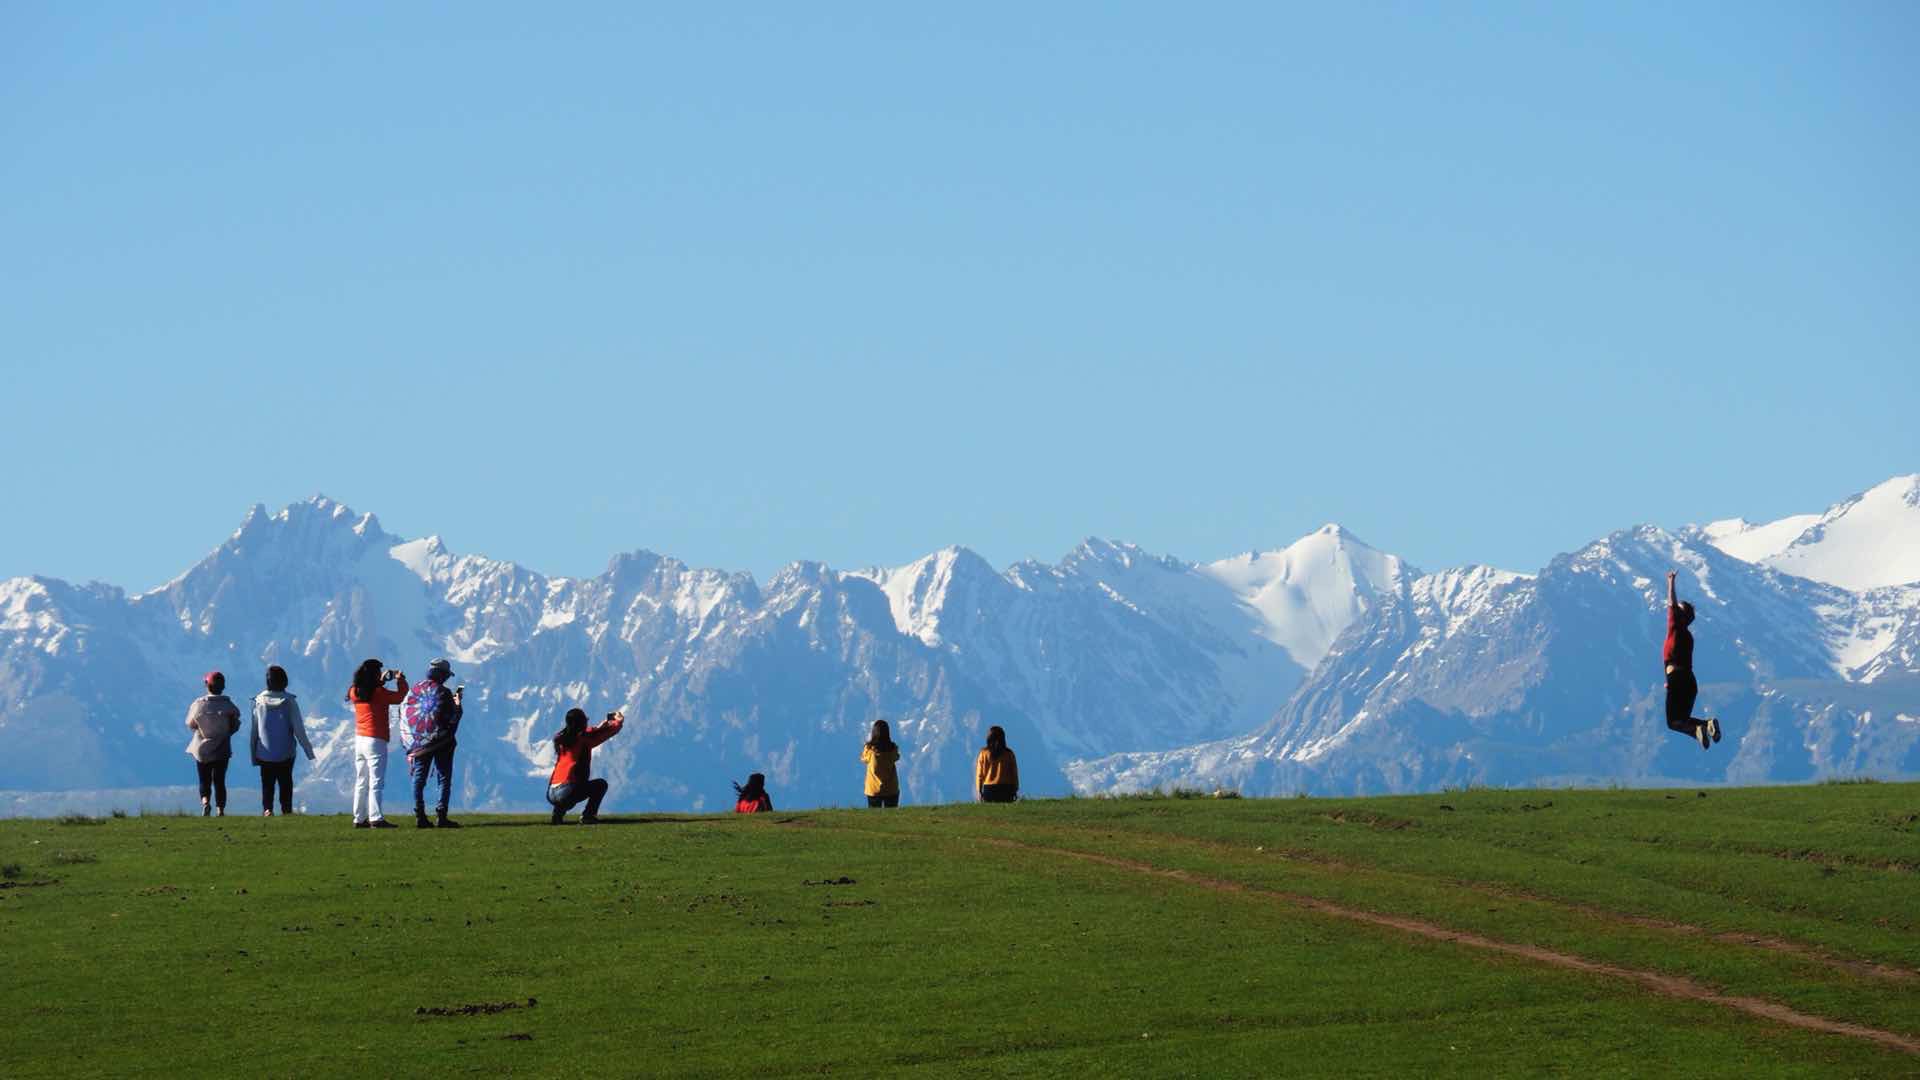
(383, 823)
(446, 822)
(363, 825)
(593, 820)
(1700, 732)
(422, 821)
(559, 818)
(1713, 727)
(205, 810)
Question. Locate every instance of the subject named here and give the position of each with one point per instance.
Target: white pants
(369, 777)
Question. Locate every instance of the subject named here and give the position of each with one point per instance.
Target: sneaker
(446, 822)
(422, 821)
(362, 825)
(266, 813)
(383, 823)
(206, 810)
(1700, 732)
(221, 812)
(594, 820)
(559, 818)
(1713, 727)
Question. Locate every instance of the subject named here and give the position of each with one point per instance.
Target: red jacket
(1679, 648)
(370, 717)
(761, 805)
(575, 763)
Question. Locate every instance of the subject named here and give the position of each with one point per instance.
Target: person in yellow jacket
(882, 759)
(996, 775)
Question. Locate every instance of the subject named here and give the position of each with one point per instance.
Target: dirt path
(1812, 954)
(1670, 985)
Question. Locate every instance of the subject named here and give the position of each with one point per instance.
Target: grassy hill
(1734, 933)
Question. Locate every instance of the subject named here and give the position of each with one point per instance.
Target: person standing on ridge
(277, 726)
(882, 759)
(571, 781)
(1682, 688)
(371, 701)
(213, 718)
(996, 775)
(436, 750)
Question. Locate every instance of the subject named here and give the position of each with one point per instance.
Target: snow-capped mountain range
(1325, 666)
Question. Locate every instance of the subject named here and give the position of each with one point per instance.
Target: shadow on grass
(570, 823)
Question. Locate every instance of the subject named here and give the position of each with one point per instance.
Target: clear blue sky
(853, 283)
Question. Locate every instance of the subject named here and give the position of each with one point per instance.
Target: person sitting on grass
(571, 782)
(753, 798)
(996, 775)
(213, 718)
(882, 759)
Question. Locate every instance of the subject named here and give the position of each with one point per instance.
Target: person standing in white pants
(371, 699)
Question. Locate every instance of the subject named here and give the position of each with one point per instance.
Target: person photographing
(572, 780)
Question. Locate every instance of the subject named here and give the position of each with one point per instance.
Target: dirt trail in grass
(1864, 968)
(1670, 985)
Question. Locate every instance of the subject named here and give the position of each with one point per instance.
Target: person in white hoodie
(213, 719)
(277, 726)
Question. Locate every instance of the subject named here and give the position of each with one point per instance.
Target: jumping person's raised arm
(1673, 599)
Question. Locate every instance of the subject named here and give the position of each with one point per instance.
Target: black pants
(999, 793)
(565, 797)
(213, 778)
(277, 773)
(1682, 689)
(883, 800)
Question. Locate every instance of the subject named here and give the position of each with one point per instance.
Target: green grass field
(1742, 933)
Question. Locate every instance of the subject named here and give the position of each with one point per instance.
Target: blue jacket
(277, 726)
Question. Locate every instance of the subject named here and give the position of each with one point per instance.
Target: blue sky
(853, 283)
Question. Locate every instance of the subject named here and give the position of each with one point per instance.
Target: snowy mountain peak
(1871, 540)
(1310, 591)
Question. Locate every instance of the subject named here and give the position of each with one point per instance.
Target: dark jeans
(875, 801)
(565, 797)
(440, 760)
(213, 778)
(999, 793)
(277, 774)
(1682, 689)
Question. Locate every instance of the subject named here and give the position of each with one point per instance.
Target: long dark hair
(568, 735)
(880, 738)
(996, 741)
(366, 679)
(276, 678)
(756, 787)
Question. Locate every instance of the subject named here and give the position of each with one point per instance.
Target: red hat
(212, 675)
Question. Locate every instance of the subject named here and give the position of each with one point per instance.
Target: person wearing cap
(435, 750)
(213, 718)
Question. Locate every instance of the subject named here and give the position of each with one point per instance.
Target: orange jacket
(370, 717)
(575, 763)
(996, 770)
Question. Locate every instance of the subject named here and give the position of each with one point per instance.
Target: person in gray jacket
(213, 719)
(277, 726)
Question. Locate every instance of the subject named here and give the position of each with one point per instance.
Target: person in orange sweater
(753, 798)
(996, 775)
(371, 699)
(882, 759)
(572, 782)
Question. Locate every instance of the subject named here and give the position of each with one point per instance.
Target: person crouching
(571, 782)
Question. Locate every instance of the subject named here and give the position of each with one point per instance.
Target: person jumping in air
(1682, 689)
(571, 782)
